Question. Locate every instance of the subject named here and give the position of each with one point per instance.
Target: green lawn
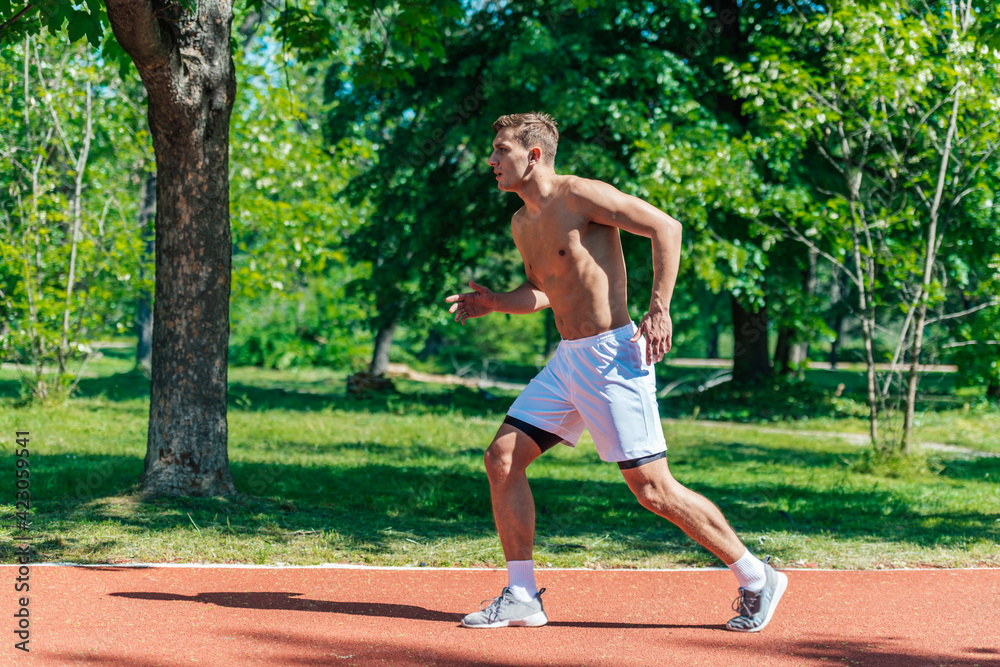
(398, 480)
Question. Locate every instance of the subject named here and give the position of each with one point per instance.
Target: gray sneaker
(756, 609)
(506, 610)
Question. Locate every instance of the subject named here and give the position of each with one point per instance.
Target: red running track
(170, 616)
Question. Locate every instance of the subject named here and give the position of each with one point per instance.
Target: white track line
(414, 568)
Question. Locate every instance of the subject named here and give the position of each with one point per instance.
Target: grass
(398, 480)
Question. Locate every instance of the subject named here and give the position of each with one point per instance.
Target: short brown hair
(537, 129)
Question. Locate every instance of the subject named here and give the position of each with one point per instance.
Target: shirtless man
(601, 376)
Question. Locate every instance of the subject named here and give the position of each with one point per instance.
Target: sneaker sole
(536, 620)
(779, 591)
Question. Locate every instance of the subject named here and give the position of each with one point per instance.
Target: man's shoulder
(518, 214)
(581, 191)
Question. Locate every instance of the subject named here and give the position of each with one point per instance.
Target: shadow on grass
(371, 507)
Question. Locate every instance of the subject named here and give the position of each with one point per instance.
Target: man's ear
(534, 155)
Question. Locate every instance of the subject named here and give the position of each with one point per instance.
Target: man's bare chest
(562, 245)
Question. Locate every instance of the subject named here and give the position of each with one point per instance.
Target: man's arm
(526, 298)
(606, 205)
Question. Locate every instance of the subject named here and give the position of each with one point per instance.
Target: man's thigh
(512, 448)
(619, 405)
(545, 405)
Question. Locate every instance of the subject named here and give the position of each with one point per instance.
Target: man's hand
(472, 304)
(658, 330)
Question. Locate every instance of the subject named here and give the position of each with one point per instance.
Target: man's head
(532, 130)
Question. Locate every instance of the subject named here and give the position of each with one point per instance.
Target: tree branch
(13, 19)
(962, 313)
(140, 32)
(965, 343)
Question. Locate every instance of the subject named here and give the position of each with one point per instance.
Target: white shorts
(602, 383)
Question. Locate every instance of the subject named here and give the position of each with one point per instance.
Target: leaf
(95, 31)
(307, 33)
(79, 22)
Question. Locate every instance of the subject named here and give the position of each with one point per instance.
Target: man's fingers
(452, 298)
(640, 330)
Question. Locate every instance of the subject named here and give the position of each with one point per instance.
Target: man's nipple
(562, 252)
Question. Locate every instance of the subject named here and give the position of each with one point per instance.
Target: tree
(902, 105)
(183, 57)
(66, 240)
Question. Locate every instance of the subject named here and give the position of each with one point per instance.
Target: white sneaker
(506, 610)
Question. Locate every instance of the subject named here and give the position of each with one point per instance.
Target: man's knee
(655, 489)
(659, 498)
(497, 458)
(509, 453)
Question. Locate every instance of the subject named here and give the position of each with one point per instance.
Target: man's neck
(536, 191)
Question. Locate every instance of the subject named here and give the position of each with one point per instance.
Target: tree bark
(751, 361)
(187, 69)
(383, 342)
(144, 308)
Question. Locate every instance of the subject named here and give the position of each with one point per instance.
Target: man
(601, 376)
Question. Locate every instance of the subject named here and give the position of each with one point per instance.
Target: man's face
(509, 159)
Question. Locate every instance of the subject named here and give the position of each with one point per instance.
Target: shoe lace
(495, 605)
(745, 604)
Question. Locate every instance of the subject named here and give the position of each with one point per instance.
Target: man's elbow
(676, 229)
(670, 230)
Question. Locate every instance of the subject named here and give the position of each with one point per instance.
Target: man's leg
(506, 460)
(658, 491)
(761, 587)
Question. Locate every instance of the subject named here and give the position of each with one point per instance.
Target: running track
(164, 616)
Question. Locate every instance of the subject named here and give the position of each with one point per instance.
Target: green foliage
(899, 102)
(44, 131)
(290, 305)
(88, 19)
(313, 326)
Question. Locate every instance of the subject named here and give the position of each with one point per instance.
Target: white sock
(521, 579)
(749, 571)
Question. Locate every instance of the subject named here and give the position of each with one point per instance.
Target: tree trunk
(838, 334)
(751, 361)
(76, 215)
(783, 349)
(383, 341)
(790, 353)
(144, 308)
(930, 254)
(839, 289)
(993, 389)
(187, 69)
(712, 341)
